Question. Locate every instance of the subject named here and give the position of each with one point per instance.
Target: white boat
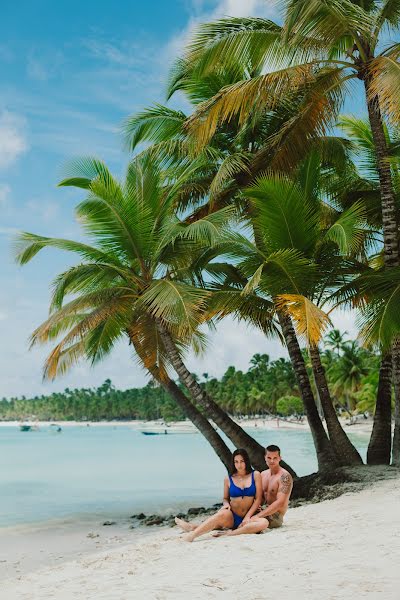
(170, 429)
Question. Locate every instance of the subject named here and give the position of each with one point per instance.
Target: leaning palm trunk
(390, 235)
(232, 430)
(325, 455)
(344, 449)
(380, 444)
(198, 420)
(396, 384)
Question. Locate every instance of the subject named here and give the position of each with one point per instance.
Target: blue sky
(70, 73)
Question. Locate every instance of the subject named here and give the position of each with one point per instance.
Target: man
(277, 486)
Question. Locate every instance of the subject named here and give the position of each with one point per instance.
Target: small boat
(25, 427)
(28, 427)
(168, 430)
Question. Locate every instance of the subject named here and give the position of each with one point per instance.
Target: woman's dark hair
(243, 453)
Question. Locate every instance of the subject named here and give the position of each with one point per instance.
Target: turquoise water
(113, 471)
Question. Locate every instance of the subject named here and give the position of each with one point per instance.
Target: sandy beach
(361, 425)
(338, 549)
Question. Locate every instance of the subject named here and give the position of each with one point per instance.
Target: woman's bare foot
(184, 525)
(188, 537)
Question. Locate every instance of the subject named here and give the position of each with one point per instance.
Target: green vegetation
(267, 388)
(253, 207)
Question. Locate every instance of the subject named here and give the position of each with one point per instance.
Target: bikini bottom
(236, 520)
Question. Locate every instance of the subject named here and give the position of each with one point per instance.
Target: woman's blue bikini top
(238, 492)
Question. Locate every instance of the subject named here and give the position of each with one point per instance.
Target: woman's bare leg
(223, 518)
(253, 527)
(185, 525)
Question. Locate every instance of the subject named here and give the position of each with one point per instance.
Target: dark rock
(139, 516)
(109, 523)
(216, 506)
(154, 521)
(131, 526)
(196, 511)
(181, 515)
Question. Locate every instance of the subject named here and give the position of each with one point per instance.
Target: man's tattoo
(286, 483)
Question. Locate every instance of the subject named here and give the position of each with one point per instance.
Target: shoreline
(362, 425)
(319, 554)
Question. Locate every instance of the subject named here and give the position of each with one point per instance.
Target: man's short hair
(272, 448)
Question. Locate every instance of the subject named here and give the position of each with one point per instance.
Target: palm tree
(361, 184)
(347, 373)
(138, 246)
(334, 340)
(298, 263)
(380, 323)
(322, 45)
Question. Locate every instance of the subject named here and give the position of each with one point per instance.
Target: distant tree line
(268, 387)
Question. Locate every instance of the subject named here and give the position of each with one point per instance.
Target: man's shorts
(275, 520)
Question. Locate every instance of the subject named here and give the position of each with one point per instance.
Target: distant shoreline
(362, 425)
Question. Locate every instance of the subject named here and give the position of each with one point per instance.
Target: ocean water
(114, 471)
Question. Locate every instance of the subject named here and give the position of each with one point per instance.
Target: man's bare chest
(270, 488)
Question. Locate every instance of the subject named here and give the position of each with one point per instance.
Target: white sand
(361, 426)
(347, 548)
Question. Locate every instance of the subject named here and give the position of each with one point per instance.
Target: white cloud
(13, 141)
(4, 194)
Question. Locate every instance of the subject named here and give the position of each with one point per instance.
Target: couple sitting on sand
(245, 491)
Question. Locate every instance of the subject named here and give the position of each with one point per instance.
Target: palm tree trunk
(198, 419)
(396, 384)
(325, 455)
(380, 444)
(390, 235)
(232, 430)
(388, 199)
(344, 449)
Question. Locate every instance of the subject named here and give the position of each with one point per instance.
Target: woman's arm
(258, 497)
(226, 498)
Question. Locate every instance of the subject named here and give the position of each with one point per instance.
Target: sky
(71, 72)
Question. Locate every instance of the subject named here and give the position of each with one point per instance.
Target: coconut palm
(298, 262)
(380, 323)
(226, 174)
(138, 248)
(335, 339)
(360, 183)
(321, 47)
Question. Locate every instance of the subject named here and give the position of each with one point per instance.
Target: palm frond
(310, 321)
(389, 15)
(379, 321)
(327, 20)
(347, 232)
(246, 98)
(385, 84)
(155, 124)
(178, 305)
(27, 245)
(284, 216)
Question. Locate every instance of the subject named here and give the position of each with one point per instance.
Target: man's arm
(282, 497)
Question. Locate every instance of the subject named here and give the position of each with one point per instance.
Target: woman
(242, 497)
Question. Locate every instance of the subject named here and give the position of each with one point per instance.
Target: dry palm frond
(384, 72)
(245, 98)
(311, 322)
